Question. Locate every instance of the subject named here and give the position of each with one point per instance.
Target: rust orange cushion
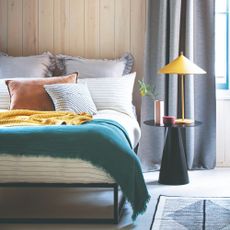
(30, 94)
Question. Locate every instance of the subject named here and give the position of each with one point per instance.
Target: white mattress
(50, 170)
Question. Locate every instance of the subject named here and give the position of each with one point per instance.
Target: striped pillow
(4, 95)
(112, 93)
(71, 97)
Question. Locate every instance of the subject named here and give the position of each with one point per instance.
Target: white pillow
(4, 95)
(71, 97)
(112, 93)
(91, 68)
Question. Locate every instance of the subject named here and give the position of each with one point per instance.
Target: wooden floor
(213, 183)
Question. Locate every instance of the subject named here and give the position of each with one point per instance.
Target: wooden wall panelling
(92, 47)
(14, 27)
(88, 28)
(3, 25)
(77, 27)
(107, 28)
(30, 27)
(46, 32)
(122, 26)
(138, 12)
(61, 26)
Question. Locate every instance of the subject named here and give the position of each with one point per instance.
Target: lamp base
(184, 121)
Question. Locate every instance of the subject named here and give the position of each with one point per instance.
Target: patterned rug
(186, 213)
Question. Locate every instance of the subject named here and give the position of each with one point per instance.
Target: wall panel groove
(92, 28)
(61, 26)
(14, 35)
(77, 27)
(122, 27)
(46, 25)
(107, 29)
(30, 27)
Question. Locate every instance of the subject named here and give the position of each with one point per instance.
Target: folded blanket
(32, 117)
(102, 142)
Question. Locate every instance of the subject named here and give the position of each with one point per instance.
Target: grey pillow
(71, 97)
(3, 54)
(94, 68)
(41, 65)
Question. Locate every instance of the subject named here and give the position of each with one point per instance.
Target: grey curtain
(174, 26)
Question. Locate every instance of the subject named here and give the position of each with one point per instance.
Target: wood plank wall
(88, 28)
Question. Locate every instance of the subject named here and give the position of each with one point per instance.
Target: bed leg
(115, 202)
(117, 205)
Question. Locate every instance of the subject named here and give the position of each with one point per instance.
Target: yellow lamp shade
(181, 65)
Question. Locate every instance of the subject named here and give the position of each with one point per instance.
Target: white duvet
(50, 170)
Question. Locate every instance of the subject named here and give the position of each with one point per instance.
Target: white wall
(223, 132)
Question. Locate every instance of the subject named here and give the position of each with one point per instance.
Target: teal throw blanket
(102, 142)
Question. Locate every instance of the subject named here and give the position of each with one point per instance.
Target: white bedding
(129, 123)
(50, 170)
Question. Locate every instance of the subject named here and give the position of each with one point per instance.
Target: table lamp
(182, 66)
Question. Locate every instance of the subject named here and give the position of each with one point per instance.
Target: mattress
(59, 170)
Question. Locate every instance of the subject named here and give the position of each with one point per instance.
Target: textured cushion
(27, 67)
(30, 94)
(112, 93)
(91, 68)
(71, 97)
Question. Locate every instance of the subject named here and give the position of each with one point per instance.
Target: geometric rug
(191, 213)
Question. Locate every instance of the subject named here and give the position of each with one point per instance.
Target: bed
(26, 169)
(33, 169)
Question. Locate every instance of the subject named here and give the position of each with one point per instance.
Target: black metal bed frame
(117, 207)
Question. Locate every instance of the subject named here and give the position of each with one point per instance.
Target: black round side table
(174, 170)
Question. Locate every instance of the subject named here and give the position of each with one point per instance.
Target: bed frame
(117, 206)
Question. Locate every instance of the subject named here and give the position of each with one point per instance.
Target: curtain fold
(174, 26)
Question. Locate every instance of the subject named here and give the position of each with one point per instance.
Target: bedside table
(174, 170)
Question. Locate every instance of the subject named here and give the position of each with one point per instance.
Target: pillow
(112, 93)
(30, 94)
(71, 97)
(91, 68)
(30, 67)
(4, 95)
(3, 54)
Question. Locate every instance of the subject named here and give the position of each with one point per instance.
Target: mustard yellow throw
(32, 117)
